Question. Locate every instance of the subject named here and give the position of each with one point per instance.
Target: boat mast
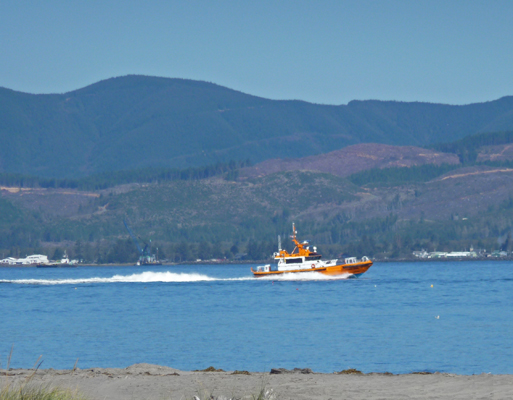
(294, 238)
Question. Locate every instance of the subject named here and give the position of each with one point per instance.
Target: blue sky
(330, 52)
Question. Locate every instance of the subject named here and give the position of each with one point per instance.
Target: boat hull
(355, 270)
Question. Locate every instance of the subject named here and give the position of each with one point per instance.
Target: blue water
(191, 317)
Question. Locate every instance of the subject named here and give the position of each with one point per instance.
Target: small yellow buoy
(431, 285)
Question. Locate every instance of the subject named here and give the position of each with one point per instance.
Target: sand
(153, 382)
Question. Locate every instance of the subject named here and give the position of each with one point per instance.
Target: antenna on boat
(279, 243)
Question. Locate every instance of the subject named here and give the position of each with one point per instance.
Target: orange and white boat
(302, 259)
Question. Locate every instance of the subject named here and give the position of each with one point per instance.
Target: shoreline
(246, 262)
(147, 381)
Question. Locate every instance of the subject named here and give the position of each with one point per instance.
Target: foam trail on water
(143, 277)
(150, 276)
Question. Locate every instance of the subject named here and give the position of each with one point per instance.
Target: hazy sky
(330, 52)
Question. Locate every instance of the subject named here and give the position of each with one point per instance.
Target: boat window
(312, 258)
(293, 260)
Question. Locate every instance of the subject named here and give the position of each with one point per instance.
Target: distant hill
(353, 159)
(470, 205)
(372, 199)
(138, 121)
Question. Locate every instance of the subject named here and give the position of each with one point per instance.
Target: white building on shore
(29, 260)
(460, 254)
(451, 254)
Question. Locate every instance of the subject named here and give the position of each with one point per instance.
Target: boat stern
(263, 270)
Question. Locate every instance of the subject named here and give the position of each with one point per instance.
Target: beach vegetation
(33, 392)
(265, 394)
(209, 369)
(26, 389)
(350, 371)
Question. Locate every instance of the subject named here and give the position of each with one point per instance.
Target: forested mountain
(405, 199)
(135, 122)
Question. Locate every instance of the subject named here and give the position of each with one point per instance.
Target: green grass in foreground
(30, 392)
(263, 394)
(27, 392)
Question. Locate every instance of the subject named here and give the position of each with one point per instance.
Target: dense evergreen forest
(188, 217)
(136, 122)
(401, 175)
(467, 149)
(110, 179)
(382, 238)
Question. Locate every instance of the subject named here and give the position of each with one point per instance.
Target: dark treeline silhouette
(414, 174)
(110, 179)
(468, 147)
(399, 175)
(379, 238)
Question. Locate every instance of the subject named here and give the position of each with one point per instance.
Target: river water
(398, 317)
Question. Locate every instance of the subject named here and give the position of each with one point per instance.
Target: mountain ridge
(139, 121)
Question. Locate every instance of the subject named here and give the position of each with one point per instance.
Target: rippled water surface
(398, 317)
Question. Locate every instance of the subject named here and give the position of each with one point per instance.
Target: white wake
(149, 276)
(143, 277)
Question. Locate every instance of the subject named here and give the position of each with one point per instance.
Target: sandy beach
(145, 381)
